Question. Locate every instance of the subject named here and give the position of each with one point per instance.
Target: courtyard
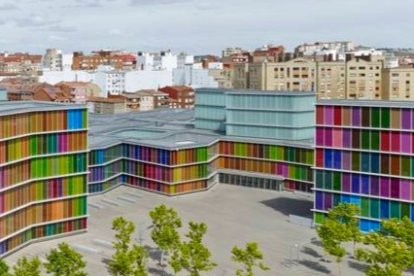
(234, 215)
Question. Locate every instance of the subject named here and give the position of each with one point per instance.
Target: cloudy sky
(200, 26)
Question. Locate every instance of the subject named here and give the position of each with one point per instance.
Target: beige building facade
(363, 79)
(330, 80)
(398, 83)
(293, 75)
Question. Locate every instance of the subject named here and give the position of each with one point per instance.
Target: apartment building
(183, 95)
(398, 83)
(363, 77)
(117, 59)
(330, 80)
(101, 105)
(293, 75)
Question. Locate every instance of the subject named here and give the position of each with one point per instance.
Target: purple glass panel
(346, 182)
(327, 203)
(385, 187)
(319, 200)
(329, 115)
(346, 160)
(356, 116)
(328, 137)
(374, 185)
(319, 136)
(405, 142)
(279, 169)
(405, 189)
(406, 118)
(285, 170)
(395, 188)
(346, 138)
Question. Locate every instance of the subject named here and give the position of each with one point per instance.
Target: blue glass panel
(337, 159)
(364, 225)
(355, 200)
(319, 200)
(365, 162)
(375, 166)
(385, 209)
(355, 183)
(328, 158)
(365, 184)
(346, 198)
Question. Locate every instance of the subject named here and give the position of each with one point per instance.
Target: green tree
(249, 258)
(385, 255)
(193, 256)
(129, 258)
(65, 261)
(4, 268)
(165, 223)
(26, 267)
(403, 230)
(332, 234)
(346, 213)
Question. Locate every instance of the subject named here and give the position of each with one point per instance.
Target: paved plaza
(234, 215)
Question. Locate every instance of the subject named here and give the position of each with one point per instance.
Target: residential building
(365, 156)
(336, 49)
(268, 53)
(240, 78)
(363, 77)
(117, 59)
(55, 60)
(330, 80)
(164, 60)
(111, 82)
(293, 75)
(43, 172)
(80, 91)
(223, 77)
(184, 95)
(20, 63)
(231, 51)
(49, 93)
(139, 101)
(194, 75)
(398, 83)
(112, 105)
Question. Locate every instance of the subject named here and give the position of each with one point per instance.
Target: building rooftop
(15, 107)
(162, 128)
(374, 103)
(256, 92)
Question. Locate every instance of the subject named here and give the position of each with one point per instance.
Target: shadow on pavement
(315, 266)
(311, 252)
(357, 266)
(290, 206)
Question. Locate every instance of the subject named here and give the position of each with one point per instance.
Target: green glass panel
(395, 209)
(355, 161)
(328, 180)
(319, 218)
(375, 139)
(272, 152)
(405, 165)
(319, 179)
(336, 181)
(405, 210)
(337, 199)
(375, 117)
(365, 207)
(365, 139)
(374, 208)
(385, 117)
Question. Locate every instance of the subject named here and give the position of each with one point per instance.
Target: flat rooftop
(234, 216)
(162, 128)
(256, 92)
(374, 103)
(15, 107)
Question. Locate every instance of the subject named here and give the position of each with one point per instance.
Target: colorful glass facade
(43, 172)
(365, 155)
(193, 169)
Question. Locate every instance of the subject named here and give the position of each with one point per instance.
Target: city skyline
(198, 26)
